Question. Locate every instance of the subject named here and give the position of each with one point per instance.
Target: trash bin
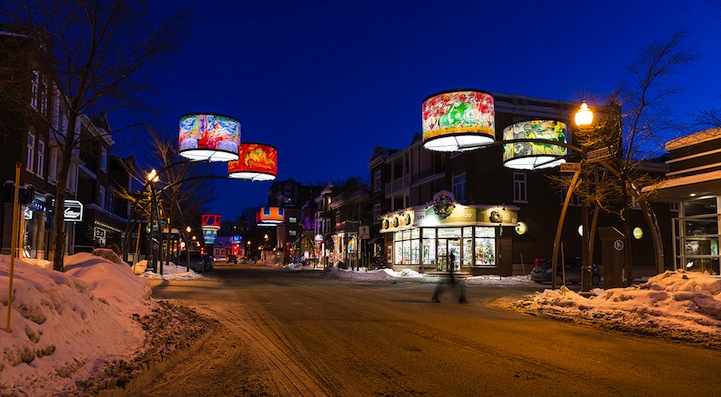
(613, 244)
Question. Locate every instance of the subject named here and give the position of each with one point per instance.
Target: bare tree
(95, 54)
(631, 122)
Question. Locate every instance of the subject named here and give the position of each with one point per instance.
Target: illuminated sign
(534, 155)
(210, 221)
(257, 162)
(73, 211)
(270, 216)
(210, 137)
(458, 120)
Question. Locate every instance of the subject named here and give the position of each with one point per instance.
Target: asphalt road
(295, 333)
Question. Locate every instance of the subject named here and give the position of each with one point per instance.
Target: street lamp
(152, 177)
(187, 249)
(584, 118)
(584, 115)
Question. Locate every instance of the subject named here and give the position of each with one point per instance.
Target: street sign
(598, 154)
(570, 167)
(364, 232)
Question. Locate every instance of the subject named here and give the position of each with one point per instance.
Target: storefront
(468, 237)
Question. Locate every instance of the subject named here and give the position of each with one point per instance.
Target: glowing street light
(584, 115)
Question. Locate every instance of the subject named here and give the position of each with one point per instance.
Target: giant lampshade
(257, 162)
(534, 155)
(210, 223)
(458, 120)
(210, 137)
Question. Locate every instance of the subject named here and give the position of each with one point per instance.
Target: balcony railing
(398, 184)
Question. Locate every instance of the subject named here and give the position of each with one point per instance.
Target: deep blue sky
(327, 81)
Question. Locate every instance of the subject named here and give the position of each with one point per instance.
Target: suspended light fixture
(209, 137)
(257, 162)
(535, 155)
(458, 120)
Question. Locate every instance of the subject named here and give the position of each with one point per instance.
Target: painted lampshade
(534, 155)
(257, 162)
(269, 216)
(209, 235)
(458, 120)
(210, 137)
(210, 221)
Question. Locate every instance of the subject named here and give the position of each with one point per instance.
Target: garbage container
(613, 244)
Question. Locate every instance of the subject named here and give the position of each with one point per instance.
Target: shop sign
(73, 211)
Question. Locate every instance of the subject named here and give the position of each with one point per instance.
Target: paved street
(297, 333)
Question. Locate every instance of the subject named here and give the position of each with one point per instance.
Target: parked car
(232, 259)
(542, 273)
(200, 263)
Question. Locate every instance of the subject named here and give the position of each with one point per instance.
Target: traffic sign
(570, 167)
(598, 154)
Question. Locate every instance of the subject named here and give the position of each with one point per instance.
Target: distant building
(290, 193)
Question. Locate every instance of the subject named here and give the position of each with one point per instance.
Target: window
(30, 162)
(459, 188)
(34, 88)
(673, 207)
(376, 213)
(41, 158)
(377, 180)
(520, 193)
(104, 159)
(43, 105)
(101, 197)
(53, 166)
(110, 203)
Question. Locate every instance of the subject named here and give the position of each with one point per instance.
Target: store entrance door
(446, 246)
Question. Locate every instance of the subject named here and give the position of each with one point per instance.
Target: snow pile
(682, 305)
(171, 271)
(65, 325)
(496, 280)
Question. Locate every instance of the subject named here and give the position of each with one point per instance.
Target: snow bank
(679, 302)
(65, 325)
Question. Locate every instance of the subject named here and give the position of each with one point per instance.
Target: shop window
(459, 188)
(673, 207)
(520, 193)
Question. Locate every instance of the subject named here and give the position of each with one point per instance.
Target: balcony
(399, 184)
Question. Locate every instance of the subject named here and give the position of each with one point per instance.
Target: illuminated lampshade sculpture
(257, 162)
(534, 155)
(458, 120)
(210, 137)
(210, 223)
(270, 216)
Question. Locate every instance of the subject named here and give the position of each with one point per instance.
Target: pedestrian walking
(450, 284)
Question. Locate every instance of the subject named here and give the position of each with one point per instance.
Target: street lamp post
(152, 178)
(187, 248)
(584, 117)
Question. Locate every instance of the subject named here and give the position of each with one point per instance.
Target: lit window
(34, 88)
(101, 197)
(104, 159)
(41, 158)
(459, 188)
(520, 192)
(53, 166)
(30, 151)
(377, 180)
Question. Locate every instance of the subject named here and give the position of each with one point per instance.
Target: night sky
(327, 81)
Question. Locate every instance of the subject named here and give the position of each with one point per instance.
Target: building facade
(508, 216)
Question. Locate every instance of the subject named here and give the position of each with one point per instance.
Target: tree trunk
(66, 152)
